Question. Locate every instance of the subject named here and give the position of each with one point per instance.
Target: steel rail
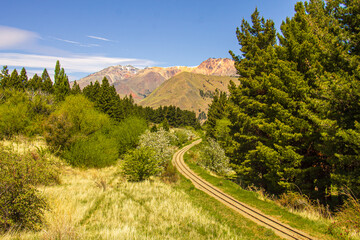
(279, 228)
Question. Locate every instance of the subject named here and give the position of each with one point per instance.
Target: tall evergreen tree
(75, 89)
(23, 78)
(35, 83)
(15, 81)
(61, 84)
(217, 110)
(47, 84)
(4, 77)
(260, 110)
(294, 119)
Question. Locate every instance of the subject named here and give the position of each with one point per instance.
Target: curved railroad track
(281, 229)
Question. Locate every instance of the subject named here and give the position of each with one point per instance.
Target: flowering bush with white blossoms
(181, 136)
(214, 158)
(160, 142)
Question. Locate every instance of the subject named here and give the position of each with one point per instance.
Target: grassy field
(310, 222)
(101, 204)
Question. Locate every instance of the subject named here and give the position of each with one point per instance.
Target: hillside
(113, 74)
(189, 91)
(141, 82)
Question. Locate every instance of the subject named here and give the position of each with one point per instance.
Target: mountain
(113, 74)
(146, 81)
(216, 67)
(189, 91)
(141, 82)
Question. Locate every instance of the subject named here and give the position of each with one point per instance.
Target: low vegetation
(293, 208)
(101, 204)
(22, 206)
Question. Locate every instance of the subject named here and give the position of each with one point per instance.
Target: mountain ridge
(140, 83)
(189, 91)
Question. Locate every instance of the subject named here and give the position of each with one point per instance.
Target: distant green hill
(189, 91)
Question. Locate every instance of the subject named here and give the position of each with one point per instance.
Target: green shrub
(214, 158)
(96, 150)
(169, 174)
(347, 219)
(58, 131)
(182, 136)
(75, 118)
(160, 143)
(127, 133)
(14, 115)
(140, 164)
(21, 205)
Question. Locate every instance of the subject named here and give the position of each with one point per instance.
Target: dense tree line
(294, 121)
(108, 101)
(103, 95)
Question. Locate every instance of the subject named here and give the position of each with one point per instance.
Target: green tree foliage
(15, 81)
(21, 205)
(174, 115)
(15, 113)
(35, 83)
(23, 78)
(75, 89)
(61, 83)
(127, 133)
(108, 101)
(4, 77)
(165, 125)
(140, 164)
(261, 128)
(47, 85)
(213, 158)
(160, 142)
(75, 118)
(217, 110)
(294, 119)
(96, 150)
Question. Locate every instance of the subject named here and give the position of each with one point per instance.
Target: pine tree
(261, 123)
(75, 89)
(23, 78)
(217, 110)
(61, 84)
(47, 85)
(295, 116)
(165, 125)
(4, 77)
(14, 81)
(35, 83)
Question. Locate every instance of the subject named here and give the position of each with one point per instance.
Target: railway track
(281, 229)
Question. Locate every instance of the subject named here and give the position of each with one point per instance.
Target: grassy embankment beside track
(316, 227)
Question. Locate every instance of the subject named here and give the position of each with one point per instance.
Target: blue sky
(87, 36)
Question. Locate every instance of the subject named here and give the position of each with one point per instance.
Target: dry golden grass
(99, 204)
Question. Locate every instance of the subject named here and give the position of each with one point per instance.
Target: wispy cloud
(67, 41)
(100, 38)
(75, 42)
(11, 38)
(32, 54)
(72, 64)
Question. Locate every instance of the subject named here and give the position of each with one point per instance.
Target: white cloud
(64, 40)
(100, 38)
(16, 38)
(76, 43)
(72, 64)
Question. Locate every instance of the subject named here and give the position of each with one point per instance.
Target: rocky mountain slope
(141, 82)
(189, 91)
(113, 74)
